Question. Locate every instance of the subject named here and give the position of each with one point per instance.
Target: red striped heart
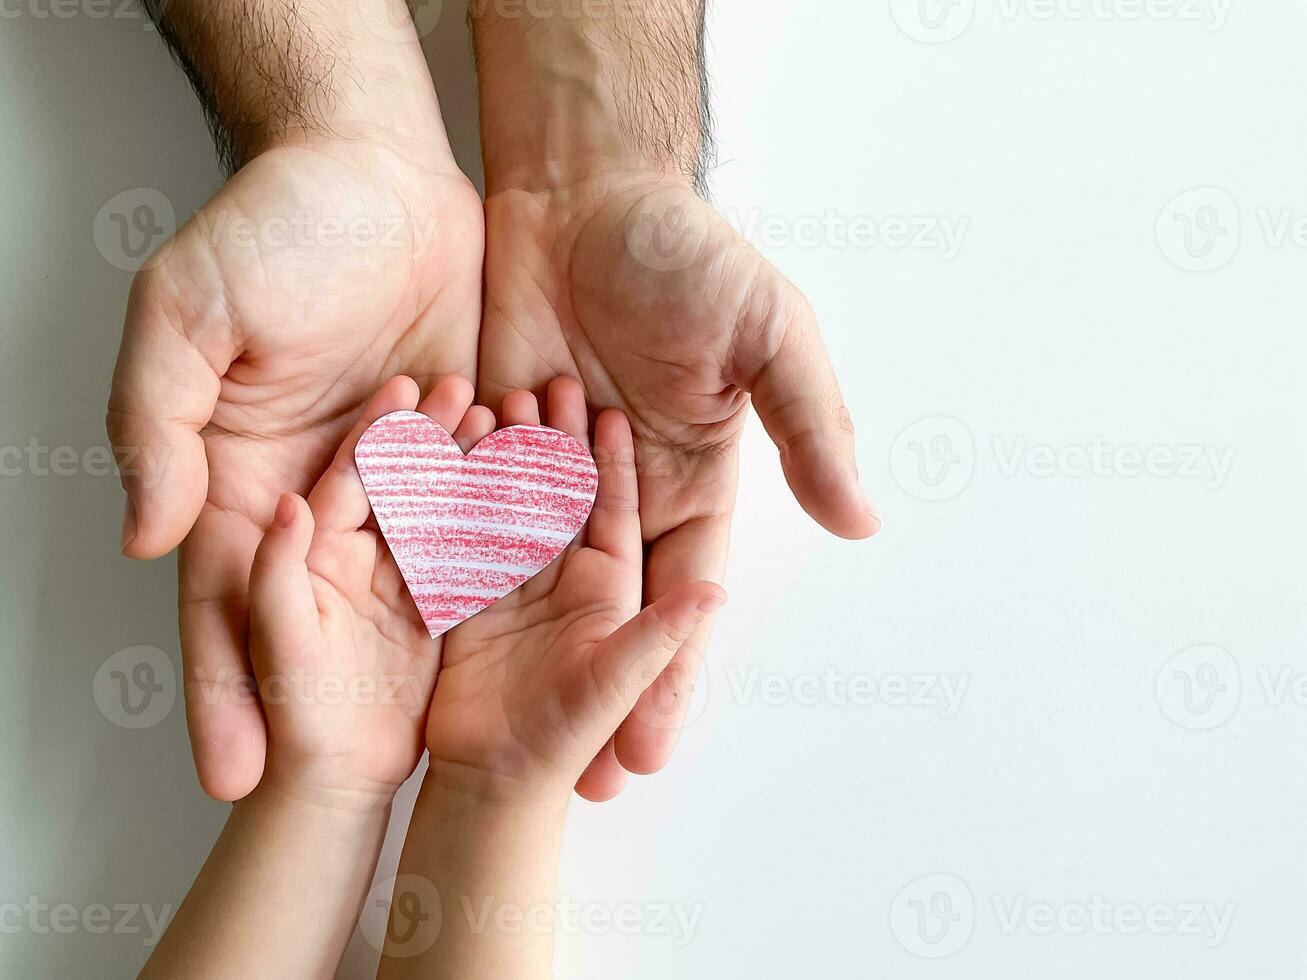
(467, 530)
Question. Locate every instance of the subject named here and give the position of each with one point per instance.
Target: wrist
(283, 73)
(462, 789)
(328, 796)
(573, 92)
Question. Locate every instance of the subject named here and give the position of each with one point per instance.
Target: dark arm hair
(254, 64)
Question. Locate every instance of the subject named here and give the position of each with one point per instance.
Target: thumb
(283, 607)
(632, 658)
(798, 399)
(164, 392)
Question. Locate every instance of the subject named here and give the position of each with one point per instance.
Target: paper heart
(467, 530)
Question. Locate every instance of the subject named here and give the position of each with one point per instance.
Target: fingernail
(285, 514)
(129, 522)
(711, 604)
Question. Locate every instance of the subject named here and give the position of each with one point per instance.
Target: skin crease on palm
(635, 286)
(328, 600)
(245, 361)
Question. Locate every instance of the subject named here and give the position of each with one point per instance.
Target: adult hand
(603, 263)
(347, 249)
(632, 284)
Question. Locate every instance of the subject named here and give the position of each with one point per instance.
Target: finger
(694, 550)
(478, 422)
(338, 501)
(223, 714)
(614, 525)
(283, 611)
(521, 408)
(448, 401)
(604, 778)
(630, 660)
(798, 399)
(566, 409)
(164, 392)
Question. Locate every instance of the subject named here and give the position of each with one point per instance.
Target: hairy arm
(571, 87)
(267, 71)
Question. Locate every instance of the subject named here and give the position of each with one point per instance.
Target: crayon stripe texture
(467, 530)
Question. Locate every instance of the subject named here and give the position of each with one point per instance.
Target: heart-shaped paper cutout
(467, 530)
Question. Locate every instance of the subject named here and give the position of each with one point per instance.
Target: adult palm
(252, 339)
(635, 286)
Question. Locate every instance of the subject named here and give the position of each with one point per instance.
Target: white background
(813, 833)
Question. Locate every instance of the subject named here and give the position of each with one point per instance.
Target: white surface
(1071, 771)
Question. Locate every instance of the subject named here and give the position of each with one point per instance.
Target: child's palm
(532, 688)
(344, 662)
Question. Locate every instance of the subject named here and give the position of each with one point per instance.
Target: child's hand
(532, 688)
(344, 663)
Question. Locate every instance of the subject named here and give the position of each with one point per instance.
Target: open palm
(252, 339)
(635, 286)
(536, 682)
(344, 663)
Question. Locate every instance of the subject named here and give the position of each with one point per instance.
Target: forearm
(495, 868)
(571, 88)
(268, 71)
(279, 895)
